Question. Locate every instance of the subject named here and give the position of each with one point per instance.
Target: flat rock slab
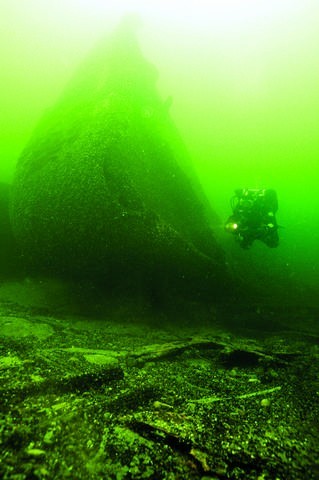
(92, 398)
(16, 327)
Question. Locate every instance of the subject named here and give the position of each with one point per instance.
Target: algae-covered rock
(101, 190)
(9, 257)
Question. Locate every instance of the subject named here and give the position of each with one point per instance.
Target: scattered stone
(35, 452)
(49, 437)
(161, 418)
(10, 361)
(157, 404)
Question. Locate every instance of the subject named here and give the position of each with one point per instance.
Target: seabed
(117, 395)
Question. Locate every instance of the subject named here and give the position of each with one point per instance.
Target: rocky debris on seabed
(91, 398)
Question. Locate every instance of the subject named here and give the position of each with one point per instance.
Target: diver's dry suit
(253, 217)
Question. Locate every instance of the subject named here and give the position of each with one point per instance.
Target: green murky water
(244, 86)
(186, 363)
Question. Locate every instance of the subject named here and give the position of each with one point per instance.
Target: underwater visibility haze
(159, 262)
(242, 78)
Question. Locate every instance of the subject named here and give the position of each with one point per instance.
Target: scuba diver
(253, 217)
